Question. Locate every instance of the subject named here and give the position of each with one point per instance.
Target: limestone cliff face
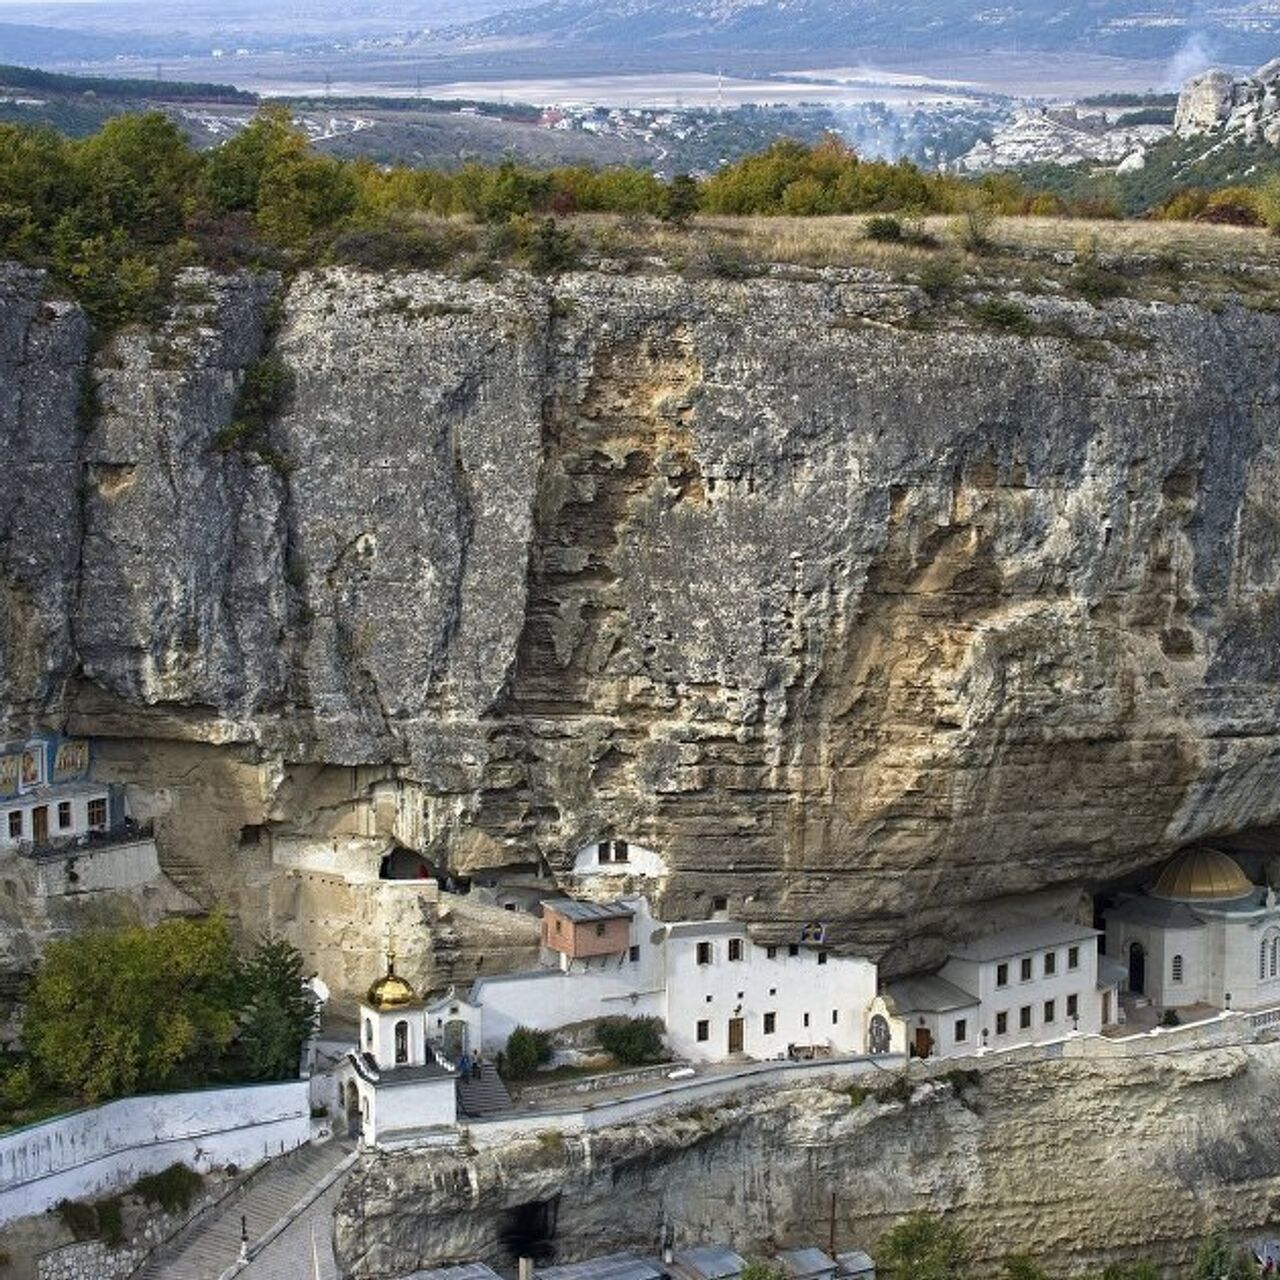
(856, 610)
(1076, 1162)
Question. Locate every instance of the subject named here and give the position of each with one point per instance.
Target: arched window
(1177, 968)
(402, 1043)
(1275, 955)
(1269, 955)
(368, 1033)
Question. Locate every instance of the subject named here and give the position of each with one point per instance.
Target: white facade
(53, 813)
(1027, 984)
(717, 992)
(101, 1149)
(617, 857)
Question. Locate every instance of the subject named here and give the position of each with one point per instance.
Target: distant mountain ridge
(830, 28)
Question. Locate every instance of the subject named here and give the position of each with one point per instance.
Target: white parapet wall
(102, 1149)
(131, 864)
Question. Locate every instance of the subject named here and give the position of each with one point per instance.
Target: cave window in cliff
(405, 864)
(527, 1230)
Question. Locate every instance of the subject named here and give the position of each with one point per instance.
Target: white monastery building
(1033, 982)
(719, 993)
(1200, 933)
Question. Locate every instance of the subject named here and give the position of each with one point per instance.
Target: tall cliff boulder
(857, 606)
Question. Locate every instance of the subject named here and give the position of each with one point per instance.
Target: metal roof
(579, 911)
(856, 1263)
(613, 1266)
(1033, 936)
(464, 1271)
(929, 994)
(803, 1263)
(709, 1262)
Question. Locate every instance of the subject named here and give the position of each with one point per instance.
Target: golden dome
(390, 991)
(1201, 875)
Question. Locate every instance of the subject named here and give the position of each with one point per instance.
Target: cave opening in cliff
(405, 864)
(528, 1230)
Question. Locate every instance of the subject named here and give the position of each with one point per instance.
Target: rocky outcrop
(1076, 1162)
(855, 607)
(1217, 102)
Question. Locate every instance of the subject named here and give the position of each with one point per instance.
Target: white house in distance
(394, 1088)
(719, 993)
(1200, 933)
(1035, 981)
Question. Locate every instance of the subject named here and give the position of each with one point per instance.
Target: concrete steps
(485, 1095)
(212, 1243)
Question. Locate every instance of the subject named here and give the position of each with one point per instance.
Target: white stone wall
(100, 1149)
(110, 867)
(640, 862)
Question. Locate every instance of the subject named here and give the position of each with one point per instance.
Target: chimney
(524, 1269)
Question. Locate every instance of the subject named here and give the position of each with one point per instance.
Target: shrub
(264, 392)
(1219, 1259)
(972, 225)
(173, 1189)
(526, 1051)
(939, 278)
(884, 228)
(1268, 202)
(79, 1217)
(1000, 313)
(1169, 1018)
(1095, 283)
(1021, 1267)
(631, 1041)
(551, 249)
(757, 1269)
(924, 1247)
(410, 247)
(110, 1220)
(680, 202)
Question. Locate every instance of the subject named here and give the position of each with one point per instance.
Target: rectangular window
(602, 851)
(961, 1030)
(98, 813)
(634, 953)
(1026, 970)
(770, 1023)
(704, 1029)
(1024, 1017)
(835, 1017)
(620, 851)
(1050, 963)
(600, 930)
(1177, 968)
(1073, 957)
(793, 949)
(1050, 1012)
(735, 948)
(822, 957)
(719, 904)
(1002, 975)
(1002, 1023)
(1073, 1006)
(64, 815)
(806, 1019)
(558, 924)
(704, 953)
(771, 952)
(15, 824)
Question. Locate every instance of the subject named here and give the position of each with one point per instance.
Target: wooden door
(924, 1042)
(40, 824)
(735, 1035)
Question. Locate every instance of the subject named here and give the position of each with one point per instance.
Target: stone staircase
(483, 1095)
(211, 1244)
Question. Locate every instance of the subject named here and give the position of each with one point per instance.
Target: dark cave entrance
(528, 1230)
(405, 864)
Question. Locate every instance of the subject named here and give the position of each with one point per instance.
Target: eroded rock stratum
(856, 610)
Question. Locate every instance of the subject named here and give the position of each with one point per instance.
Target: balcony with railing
(70, 846)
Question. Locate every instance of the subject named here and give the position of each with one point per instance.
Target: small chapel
(1201, 932)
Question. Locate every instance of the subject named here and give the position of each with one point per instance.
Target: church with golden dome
(1200, 933)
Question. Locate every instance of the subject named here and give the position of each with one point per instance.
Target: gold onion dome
(391, 991)
(1201, 875)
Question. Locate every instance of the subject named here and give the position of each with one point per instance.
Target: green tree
(681, 201)
(1219, 1259)
(123, 1011)
(924, 1247)
(279, 1013)
(134, 174)
(526, 1051)
(232, 178)
(1268, 202)
(631, 1040)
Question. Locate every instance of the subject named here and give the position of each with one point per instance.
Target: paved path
(291, 1255)
(212, 1244)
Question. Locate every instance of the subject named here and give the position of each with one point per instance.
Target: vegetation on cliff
(113, 216)
(136, 1010)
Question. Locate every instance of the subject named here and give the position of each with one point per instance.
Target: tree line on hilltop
(113, 216)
